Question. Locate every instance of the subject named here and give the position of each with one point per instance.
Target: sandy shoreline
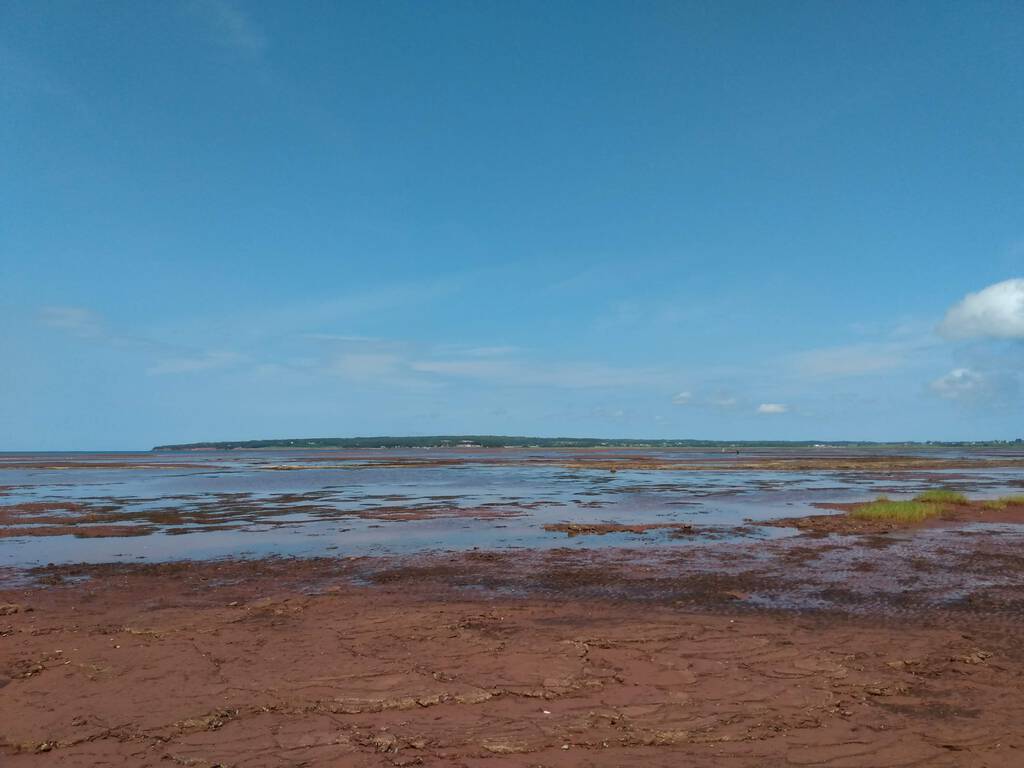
(562, 658)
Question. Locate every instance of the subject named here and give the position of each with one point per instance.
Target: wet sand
(566, 658)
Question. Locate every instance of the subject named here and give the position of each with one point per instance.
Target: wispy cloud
(78, 321)
(231, 26)
(522, 372)
(339, 337)
(367, 365)
(334, 319)
(850, 360)
(204, 362)
(336, 352)
(165, 358)
(716, 400)
(397, 362)
(468, 350)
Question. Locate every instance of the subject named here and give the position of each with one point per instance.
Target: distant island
(505, 441)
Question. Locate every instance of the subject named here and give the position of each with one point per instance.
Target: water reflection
(367, 503)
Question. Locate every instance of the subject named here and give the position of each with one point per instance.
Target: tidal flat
(511, 606)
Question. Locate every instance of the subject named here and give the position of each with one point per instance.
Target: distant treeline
(503, 441)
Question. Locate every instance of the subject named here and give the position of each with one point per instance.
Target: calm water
(236, 503)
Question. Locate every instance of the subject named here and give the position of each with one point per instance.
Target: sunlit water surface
(253, 504)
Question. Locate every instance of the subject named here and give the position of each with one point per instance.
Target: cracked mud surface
(520, 659)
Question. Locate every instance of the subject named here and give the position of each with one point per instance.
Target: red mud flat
(518, 659)
(63, 519)
(795, 463)
(603, 459)
(111, 518)
(57, 463)
(603, 529)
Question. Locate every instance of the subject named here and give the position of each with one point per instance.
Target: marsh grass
(941, 496)
(1005, 501)
(927, 504)
(883, 508)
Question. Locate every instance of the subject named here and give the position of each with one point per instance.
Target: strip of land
(519, 441)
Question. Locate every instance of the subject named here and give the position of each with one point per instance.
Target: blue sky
(230, 220)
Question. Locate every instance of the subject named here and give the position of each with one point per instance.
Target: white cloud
(772, 408)
(959, 383)
(988, 388)
(980, 388)
(682, 398)
(995, 312)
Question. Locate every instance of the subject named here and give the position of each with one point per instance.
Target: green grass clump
(1005, 501)
(941, 496)
(899, 511)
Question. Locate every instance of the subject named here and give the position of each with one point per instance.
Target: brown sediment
(112, 517)
(793, 464)
(600, 459)
(39, 511)
(79, 531)
(587, 662)
(53, 464)
(951, 514)
(841, 524)
(600, 529)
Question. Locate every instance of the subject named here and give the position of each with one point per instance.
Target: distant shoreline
(505, 441)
